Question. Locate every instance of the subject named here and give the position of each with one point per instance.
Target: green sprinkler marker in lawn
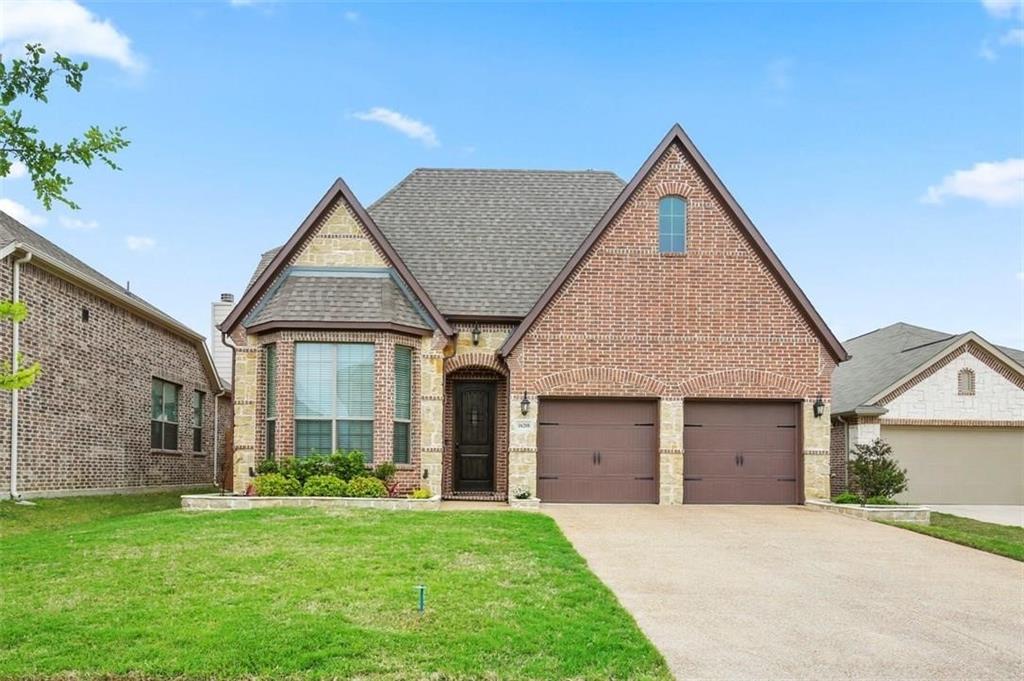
(423, 596)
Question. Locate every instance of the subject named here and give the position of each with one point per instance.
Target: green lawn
(306, 593)
(1003, 540)
(46, 514)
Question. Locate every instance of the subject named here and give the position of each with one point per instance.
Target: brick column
(817, 437)
(432, 412)
(670, 451)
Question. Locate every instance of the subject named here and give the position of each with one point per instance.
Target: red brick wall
(384, 391)
(837, 457)
(500, 424)
(85, 424)
(713, 322)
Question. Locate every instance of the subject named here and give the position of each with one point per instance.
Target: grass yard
(1003, 540)
(306, 593)
(46, 514)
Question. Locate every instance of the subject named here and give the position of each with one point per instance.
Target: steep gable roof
(885, 358)
(339, 191)
(676, 135)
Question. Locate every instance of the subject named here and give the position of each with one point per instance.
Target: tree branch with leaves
(16, 377)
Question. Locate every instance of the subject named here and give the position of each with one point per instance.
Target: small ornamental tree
(875, 471)
(18, 376)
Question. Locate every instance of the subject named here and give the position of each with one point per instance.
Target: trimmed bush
(420, 493)
(846, 498)
(267, 466)
(276, 485)
(875, 472)
(348, 465)
(365, 486)
(881, 501)
(325, 486)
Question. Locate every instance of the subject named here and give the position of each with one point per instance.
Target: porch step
(473, 496)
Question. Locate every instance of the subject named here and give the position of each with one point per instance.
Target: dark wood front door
(474, 437)
(741, 453)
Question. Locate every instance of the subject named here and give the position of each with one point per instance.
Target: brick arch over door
(602, 375)
(480, 360)
(737, 381)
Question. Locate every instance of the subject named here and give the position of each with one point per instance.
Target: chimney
(219, 311)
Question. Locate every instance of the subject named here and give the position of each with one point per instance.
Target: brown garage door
(740, 453)
(597, 451)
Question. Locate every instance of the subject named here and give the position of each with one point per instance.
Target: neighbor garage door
(597, 451)
(740, 453)
(960, 465)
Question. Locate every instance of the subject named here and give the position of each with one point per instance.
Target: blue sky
(879, 148)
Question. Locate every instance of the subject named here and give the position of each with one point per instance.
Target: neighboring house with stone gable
(128, 398)
(560, 332)
(951, 406)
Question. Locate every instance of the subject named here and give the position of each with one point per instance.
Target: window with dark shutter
(197, 421)
(403, 403)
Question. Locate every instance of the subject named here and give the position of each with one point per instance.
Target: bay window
(334, 398)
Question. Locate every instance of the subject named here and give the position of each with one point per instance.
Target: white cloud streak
(22, 213)
(1003, 8)
(65, 26)
(68, 222)
(410, 127)
(139, 244)
(994, 183)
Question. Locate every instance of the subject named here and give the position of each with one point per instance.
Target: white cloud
(1000, 182)
(139, 243)
(351, 16)
(410, 127)
(65, 26)
(21, 213)
(17, 170)
(68, 222)
(1002, 8)
(1015, 36)
(986, 52)
(1020, 276)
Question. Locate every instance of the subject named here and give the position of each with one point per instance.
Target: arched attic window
(672, 224)
(965, 382)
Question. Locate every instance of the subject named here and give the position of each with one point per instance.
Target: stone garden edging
(218, 502)
(894, 513)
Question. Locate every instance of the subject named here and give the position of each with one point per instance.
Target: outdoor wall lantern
(525, 404)
(819, 407)
(476, 334)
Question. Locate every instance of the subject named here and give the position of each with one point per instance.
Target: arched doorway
(475, 434)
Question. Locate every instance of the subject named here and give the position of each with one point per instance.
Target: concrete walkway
(1001, 515)
(729, 592)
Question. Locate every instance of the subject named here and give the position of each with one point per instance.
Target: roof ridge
(565, 171)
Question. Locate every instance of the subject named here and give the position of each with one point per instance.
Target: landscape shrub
(420, 493)
(521, 492)
(325, 486)
(881, 501)
(344, 465)
(846, 498)
(365, 486)
(276, 485)
(267, 466)
(348, 465)
(384, 471)
(875, 472)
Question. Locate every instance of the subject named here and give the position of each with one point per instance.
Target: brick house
(562, 333)
(950, 405)
(127, 399)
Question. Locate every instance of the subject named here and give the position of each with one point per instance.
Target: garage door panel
(597, 451)
(962, 465)
(740, 452)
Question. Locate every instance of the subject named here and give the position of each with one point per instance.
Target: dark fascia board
(339, 190)
(338, 326)
(483, 319)
(676, 135)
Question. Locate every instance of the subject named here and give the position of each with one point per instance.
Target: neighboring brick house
(951, 406)
(493, 331)
(112, 368)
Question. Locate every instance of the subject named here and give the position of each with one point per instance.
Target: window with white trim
(163, 432)
(403, 404)
(334, 398)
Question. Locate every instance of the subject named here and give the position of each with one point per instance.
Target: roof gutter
(15, 353)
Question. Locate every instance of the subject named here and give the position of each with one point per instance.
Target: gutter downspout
(15, 351)
(226, 340)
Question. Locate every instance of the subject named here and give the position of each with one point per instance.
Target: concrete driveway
(762, 592)
(1001, 515)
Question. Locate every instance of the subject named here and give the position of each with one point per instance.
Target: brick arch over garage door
(640, 384)
(750, 383)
